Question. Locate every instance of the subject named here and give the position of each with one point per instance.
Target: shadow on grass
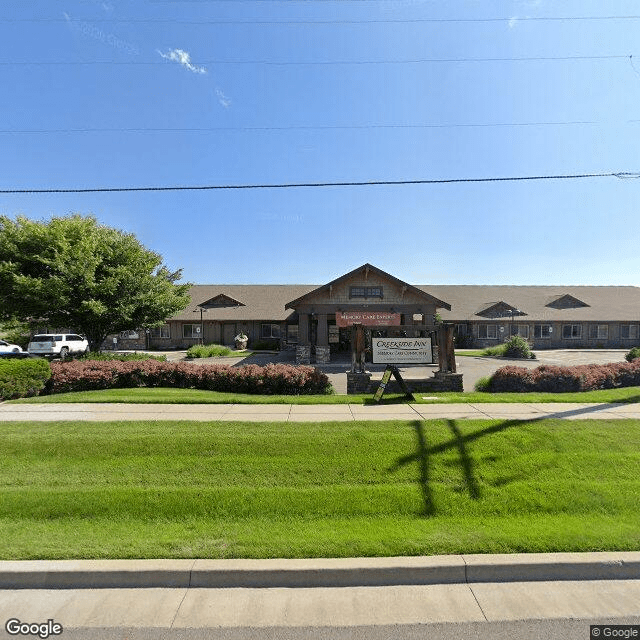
(423, 453)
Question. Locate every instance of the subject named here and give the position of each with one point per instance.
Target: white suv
(58, 344)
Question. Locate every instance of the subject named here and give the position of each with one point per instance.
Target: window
(270, 330)
(365, 292)
(542, 331)
(292, 333)
(571, 331)
(129, 335)
(629, 331)
(191, 331)
(488, 331)
(461, 329)
(599, 331)
(520, 330)
(161, 332)
(74, 338)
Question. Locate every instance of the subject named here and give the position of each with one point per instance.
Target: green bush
(633, 354)
(208, 351)
(495, 351)
(22, 378)
(518, 347)
(121, 357)
(483, 384)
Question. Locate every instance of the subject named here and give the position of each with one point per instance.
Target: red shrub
(84, 375)
(586, 377)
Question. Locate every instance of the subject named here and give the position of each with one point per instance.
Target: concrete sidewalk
(321, 592)
(316, 413)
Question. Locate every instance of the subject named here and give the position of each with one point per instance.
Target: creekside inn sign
(402, 350)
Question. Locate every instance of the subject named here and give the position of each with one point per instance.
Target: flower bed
(587, 377)
(271, 379)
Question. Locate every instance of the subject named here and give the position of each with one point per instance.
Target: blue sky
(216, 109)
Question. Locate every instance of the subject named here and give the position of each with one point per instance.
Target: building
(291, 316)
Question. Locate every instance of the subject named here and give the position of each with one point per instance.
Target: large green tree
(74, 272)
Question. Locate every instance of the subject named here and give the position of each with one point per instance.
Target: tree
(76, 273)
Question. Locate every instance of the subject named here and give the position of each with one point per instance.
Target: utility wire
(296, 185)
(300, 127)
(319, 62)
(320, 22)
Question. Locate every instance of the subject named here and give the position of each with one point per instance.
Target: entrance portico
(367, 297)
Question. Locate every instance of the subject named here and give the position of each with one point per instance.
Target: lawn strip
(185, 489)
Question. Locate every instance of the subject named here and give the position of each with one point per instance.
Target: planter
(241, 345)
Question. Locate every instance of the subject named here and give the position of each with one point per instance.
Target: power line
(297, 185)
(322, 22)
(321, 62)
(301, 127)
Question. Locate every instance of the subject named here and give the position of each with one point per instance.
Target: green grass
(195, 396)
(186, 490)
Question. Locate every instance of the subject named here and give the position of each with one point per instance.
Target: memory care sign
(367, 318)
(402, 350)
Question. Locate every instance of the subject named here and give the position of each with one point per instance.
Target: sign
(402, 350)
(367, 318)
(334, 333)
(386, 376)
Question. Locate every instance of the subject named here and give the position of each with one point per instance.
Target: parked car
(7, 349)
(62, 345)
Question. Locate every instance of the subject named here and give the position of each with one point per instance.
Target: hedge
(271, 379)
(586, 377)
(22, 378)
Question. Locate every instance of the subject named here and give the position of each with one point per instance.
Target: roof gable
(500, 309)
(221, 300)
(364, 273)
(566, 301)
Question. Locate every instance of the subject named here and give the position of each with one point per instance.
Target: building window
(520, 330)
(488, 331)
(599, 331)
(542, 331)
(461, 329)
(270, 330)
(191, 331)
(160, 332)
(292, 333)
(365, 292)
(571, 331)
(629, 331)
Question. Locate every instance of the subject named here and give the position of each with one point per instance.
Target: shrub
(517, 347)
(121, 357)
(494, 351)
(208, 351)
(23, 378)
(270, 379)
(586, 377)
(633, 354)
(482, 384)
(266, 345)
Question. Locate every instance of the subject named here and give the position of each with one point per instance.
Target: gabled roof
(368, 268)
(565, 301)
(222, 300)
(496, 309)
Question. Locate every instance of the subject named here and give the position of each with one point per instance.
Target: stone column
(303, 350)
(322, 340)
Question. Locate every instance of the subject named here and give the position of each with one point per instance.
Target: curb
(319, 572)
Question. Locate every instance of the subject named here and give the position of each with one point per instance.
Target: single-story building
(320, 316)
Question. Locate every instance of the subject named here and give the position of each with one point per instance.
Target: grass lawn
(195, 396)
(221, 490)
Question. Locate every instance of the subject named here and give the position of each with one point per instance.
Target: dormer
(566, 301)
(500, 309)
(221, 301)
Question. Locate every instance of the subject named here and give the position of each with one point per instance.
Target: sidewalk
(315, 413)
(321, 592)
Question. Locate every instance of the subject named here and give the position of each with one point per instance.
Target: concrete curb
(320, 572)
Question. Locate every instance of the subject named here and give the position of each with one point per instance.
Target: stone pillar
(303, 354)
(358, 383)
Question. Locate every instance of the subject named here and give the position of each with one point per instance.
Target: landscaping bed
(212, 490)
